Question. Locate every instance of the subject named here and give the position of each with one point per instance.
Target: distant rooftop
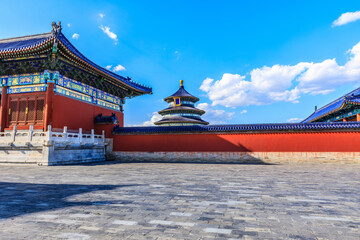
(352, 97)
(181, 93)
(181, 110)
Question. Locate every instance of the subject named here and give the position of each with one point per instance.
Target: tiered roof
(181, 93)
(348, 100)
(53, 51)
(183, 113)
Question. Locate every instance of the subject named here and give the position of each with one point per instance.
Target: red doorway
(25, 110)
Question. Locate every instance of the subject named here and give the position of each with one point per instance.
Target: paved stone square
(180, 201)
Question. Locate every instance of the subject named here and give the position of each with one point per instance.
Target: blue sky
(247, 61)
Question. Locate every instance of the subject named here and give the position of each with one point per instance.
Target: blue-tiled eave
(17, 45)
(352, 97)
(127, 81)
(243, 128)
(29, 45)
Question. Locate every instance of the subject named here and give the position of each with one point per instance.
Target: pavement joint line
(218, 230)
(326, 218)
(124, 222)
(181, 214)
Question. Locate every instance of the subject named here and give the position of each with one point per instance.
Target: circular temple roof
(180, 119)
(181, 93)
(181, 109)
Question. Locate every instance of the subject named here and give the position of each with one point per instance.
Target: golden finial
(181, 83)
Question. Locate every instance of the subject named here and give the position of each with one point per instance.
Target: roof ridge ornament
(181, 83)
(56, 28)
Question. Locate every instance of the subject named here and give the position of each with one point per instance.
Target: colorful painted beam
(27, 89)
(37, 82)
(345, 115)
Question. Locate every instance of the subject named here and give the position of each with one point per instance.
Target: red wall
(76, 114)
(251, 142)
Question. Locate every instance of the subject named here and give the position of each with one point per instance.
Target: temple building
(46, 81)
(343, 109)
(181, 110)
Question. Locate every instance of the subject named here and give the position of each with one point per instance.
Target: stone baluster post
(103, 135)
(14, 133)
(65, 133)
(80, 135)
(92, 135)
(31, 132)
(49, 133)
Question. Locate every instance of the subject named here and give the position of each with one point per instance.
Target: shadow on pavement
(25, 198)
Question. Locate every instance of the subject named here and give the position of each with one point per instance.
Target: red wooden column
(3, 110)
(48, 105)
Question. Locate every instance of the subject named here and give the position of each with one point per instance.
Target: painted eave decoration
(55, 42)
(351, 98)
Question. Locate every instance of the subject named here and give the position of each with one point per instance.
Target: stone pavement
(180, 201)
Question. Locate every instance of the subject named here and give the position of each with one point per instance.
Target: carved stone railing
(58, 147)
(31, 136)
(75, 136)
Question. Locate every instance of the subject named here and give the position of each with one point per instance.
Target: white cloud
(243, 111)
(263, 78)
(119, 68)
(75, 36)
(294, 120)
(267, 84)
(347, 18)
(214, 116)
(69, 24)
(101, 15)
(282, 82)
(324, 77)
(110, 34)
(154, 118)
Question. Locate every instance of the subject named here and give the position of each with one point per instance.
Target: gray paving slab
(180, 201)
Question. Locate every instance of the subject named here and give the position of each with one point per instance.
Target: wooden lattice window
(39, 110)
(31, 110)
(13, 110)
(22, 111)
(26, 110)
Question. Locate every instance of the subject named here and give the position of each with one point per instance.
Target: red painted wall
(76, 114)
(252, 142)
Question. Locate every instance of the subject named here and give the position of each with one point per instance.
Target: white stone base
(50, 155)
(51, 148)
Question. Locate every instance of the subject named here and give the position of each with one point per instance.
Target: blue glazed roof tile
(322, 126)
(182, 119)
(27, 42)
(12, 44)
(182, 93)
(336, 105)
(71, 47)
